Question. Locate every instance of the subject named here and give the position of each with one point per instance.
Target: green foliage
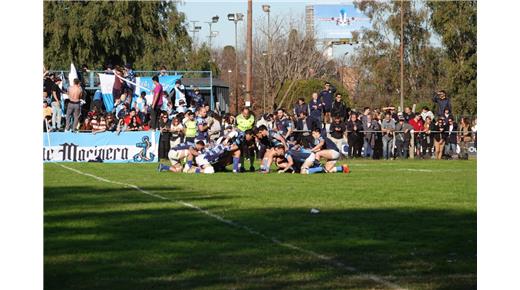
(305, 88)
(146, 33)
(456, 23)
(378, 57)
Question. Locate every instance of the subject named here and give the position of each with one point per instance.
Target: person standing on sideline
(315, 111)
(156, 103)
(75, 93)
(326, 96)
(56, 105)
(354, 136)
(388, 128)
(339, 108)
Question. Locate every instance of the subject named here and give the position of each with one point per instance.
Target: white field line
(251, 231)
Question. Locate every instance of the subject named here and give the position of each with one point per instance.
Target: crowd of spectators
(378, 133)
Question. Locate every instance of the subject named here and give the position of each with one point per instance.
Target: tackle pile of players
(287, 156)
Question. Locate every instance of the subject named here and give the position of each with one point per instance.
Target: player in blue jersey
(324, 148)
(208, 158)
(177, 153)
(269, 139)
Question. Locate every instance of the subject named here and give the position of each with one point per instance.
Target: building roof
(203, 82)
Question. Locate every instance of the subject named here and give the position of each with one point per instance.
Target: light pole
(195, 30)
(214, 19)
(267, 9)
(402, 59)
(264, 54)
(249, 42)
(235, 17)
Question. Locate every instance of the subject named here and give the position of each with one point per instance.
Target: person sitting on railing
(140, 105)
(427, 113)
(300, 107)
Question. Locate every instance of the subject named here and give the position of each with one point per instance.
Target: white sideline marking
(372, 277)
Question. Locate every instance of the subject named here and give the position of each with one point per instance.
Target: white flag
(73, 74)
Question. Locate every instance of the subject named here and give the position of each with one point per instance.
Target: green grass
(412, 223)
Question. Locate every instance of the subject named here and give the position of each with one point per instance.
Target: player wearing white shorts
(187, 150)
(326, 149)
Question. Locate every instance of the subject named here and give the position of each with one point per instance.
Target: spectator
(451, 138)
(402, 137)
(75, 94)
(163, 72)
(165, 136)
(178, 93)
(300, 107)
(86, 125)
(56, 105)
(354, 136)
(427, 113)
(245, 120)
(197, 98)
(156, 103)
(439, 137)
(304, 123)
(131, 114)
(464, 137)
(378, 145)
(100, 126)
(337, 130)
(94, 121)
(181, 108)
(316, 110)
(266, 120)
(441, 102)
(474, 130)
(118, 83)
(447, 114)
(408, 114)
(388, 128)
(366, 112)
(177, 132)
(191, 127)
(369, 137)
(427, 139)
(326, 96)
(133, 125)
(283, 125)
(130, 75)
(97, 99)
(339, 108)
(47, 116)
(111, 123)
(215, 131)
(140, 105)
(48, 85)
(417, 124)
(124, 111)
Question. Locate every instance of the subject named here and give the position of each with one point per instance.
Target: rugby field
(389, 224)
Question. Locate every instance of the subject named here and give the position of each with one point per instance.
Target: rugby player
(187, 150)
(324, 148)
(269, 139)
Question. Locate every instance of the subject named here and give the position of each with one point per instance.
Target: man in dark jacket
(300, 107)
(450, 148)
(316, 108)
(339, 108)
(337, 131)
(442, 102)
(354, 136)
(304, 123)
(326, 96)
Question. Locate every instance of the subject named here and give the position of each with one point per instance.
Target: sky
(200, 10)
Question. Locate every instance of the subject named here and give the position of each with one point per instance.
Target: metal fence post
(411, 147)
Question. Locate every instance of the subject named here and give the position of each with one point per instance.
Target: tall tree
(147, 33)
(456, 23)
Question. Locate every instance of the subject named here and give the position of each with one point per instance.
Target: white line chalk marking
(251, 231)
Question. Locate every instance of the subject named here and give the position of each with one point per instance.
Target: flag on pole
(107, 85)
(73, 74)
